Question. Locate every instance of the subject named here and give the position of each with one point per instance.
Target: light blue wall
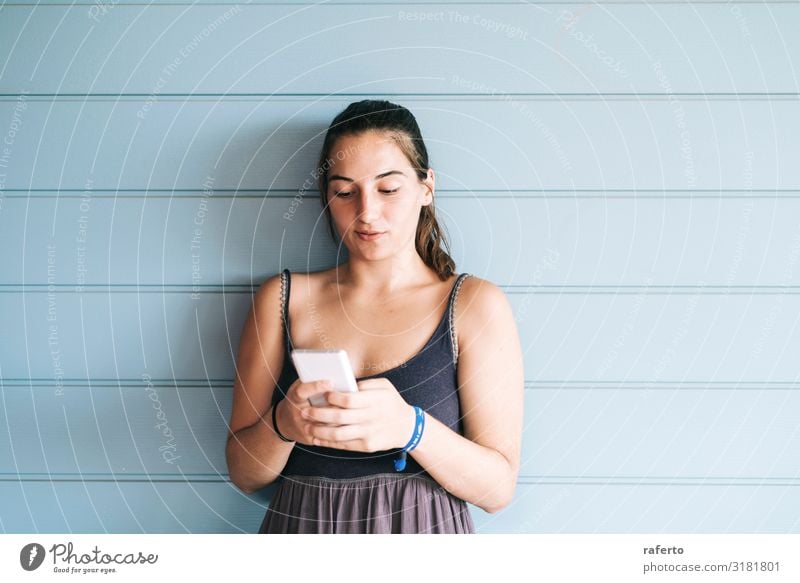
(626, 172)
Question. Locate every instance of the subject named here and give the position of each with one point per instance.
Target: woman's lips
(365, 237)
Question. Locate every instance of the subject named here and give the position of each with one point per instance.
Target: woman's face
(373, 189)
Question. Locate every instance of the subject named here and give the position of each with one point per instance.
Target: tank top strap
(286, 288)
(451, 315)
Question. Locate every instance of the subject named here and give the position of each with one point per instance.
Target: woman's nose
(368, 205)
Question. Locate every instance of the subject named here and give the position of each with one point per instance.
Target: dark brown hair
(399, 122)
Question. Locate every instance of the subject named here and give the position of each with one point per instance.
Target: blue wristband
(400, 461)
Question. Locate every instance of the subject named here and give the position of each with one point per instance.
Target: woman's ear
(430, 185)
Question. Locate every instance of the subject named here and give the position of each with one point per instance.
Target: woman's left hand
(375, 418)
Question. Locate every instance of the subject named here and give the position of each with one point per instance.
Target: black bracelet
(275, 423)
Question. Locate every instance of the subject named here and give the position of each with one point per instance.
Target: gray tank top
(428, 380)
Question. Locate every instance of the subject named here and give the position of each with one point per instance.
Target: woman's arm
(254, 453)
(482, 466)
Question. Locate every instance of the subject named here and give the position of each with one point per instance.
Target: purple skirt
(381, 503)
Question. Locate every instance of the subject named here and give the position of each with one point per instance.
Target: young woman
(436, 357)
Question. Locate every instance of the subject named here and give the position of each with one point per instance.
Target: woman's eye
(346, 194)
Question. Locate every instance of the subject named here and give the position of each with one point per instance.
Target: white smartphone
(325, 365)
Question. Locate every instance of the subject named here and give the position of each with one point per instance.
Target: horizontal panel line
(530, 384)
(223, 289)
(665, 385)
(655, 481)
(283, 193)
(112, 480)
(440, 3)
(413, 96)
(524, 480)
(111, 476)
(385, 3)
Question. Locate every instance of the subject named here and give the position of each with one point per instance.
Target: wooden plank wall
(627, 173)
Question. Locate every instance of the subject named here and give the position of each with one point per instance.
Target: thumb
(306, 390)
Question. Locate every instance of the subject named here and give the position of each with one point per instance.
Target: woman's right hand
(289, 415)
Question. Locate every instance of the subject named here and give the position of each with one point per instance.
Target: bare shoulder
(267, 299)
(484, 323)
(481, 290)
(271, 289)
(479, 303)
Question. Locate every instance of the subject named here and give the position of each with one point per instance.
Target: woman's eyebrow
(379, 176)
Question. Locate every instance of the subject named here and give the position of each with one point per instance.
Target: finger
(334, 415)
(370, 384)
(306, 390)
(357, 400)
(335, 432)
(352, 445)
